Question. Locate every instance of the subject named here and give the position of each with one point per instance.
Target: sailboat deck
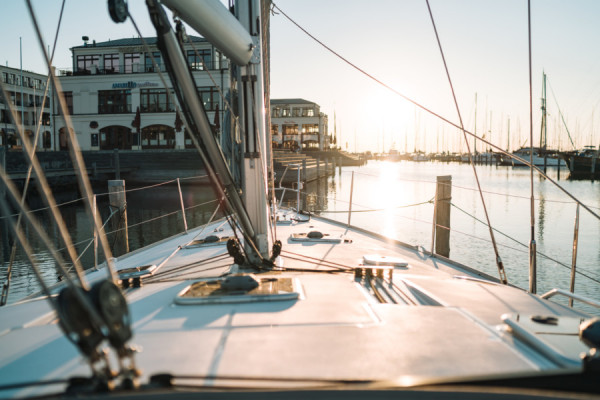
(442, 327)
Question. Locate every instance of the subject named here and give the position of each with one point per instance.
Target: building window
(276, 111)
(210, 97)
(114, 101)
(195, 59)
(11, 79)
(308, 112)
(46, 140)
(84, 63)
(111, 63)
(289, 129)
(158, 137)
(132, 62)
(285, 112)
(155, 100)
(296, 111)
(311, 129)
(148, 65)
(274, 129)
(68, 96)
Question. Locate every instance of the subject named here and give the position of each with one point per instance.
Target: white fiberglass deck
(443, 327)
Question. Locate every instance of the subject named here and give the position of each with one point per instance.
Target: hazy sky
(485, 44)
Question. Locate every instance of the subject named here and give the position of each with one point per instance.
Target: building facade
(110, 81)
(28, 97)
(298, 124)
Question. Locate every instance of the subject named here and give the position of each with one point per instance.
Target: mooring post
(116, 199)
(117, 165)
(442, 215)
(326, 166)
(339, 165)
(332, 165)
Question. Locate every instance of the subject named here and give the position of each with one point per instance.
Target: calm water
(393, 199)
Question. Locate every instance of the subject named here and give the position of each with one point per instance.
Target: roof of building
(6, 68)
(291, 101)
(129, 42)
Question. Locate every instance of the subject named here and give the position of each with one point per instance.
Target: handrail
(570, 295)
(298, 185)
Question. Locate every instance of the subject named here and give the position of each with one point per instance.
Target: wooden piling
(442, 215)
(116, 198)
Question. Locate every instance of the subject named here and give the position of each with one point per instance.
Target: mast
(475, 129)
(252, 107)
(543, 132)
(543, 128)
(241, 43)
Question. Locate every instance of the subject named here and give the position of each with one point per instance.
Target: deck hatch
(137, 272)
(217, 291)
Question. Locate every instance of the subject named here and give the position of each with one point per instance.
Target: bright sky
(485, 44)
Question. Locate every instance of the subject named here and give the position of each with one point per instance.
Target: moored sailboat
(275, 303)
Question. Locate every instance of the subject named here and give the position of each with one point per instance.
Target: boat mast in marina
(335, 311)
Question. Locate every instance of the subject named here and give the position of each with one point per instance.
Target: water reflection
(153, 214)
(399, 194)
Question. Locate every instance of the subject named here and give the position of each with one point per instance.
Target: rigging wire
(500, 265)
(561, 115)
(13, 251)
(532, 244)
(431, 112)
(77, 159)
(44, 188)
(521, 244)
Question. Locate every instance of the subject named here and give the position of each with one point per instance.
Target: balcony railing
(134, 69)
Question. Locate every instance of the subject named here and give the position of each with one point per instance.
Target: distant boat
(419, 157)
(539, 155)
(583, 163)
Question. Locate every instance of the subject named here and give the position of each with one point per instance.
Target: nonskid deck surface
(432, 325)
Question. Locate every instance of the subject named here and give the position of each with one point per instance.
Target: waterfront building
(110, 81)
(26, 91)
(298, 123)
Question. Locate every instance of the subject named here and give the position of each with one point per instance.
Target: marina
(403, 211)
(279, 264)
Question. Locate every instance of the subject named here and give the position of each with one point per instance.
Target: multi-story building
(298, 123)
(26, 91)
(110, 81)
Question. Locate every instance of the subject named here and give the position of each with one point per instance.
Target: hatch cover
(217, 292)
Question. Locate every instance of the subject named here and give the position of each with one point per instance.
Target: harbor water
(394, 199)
